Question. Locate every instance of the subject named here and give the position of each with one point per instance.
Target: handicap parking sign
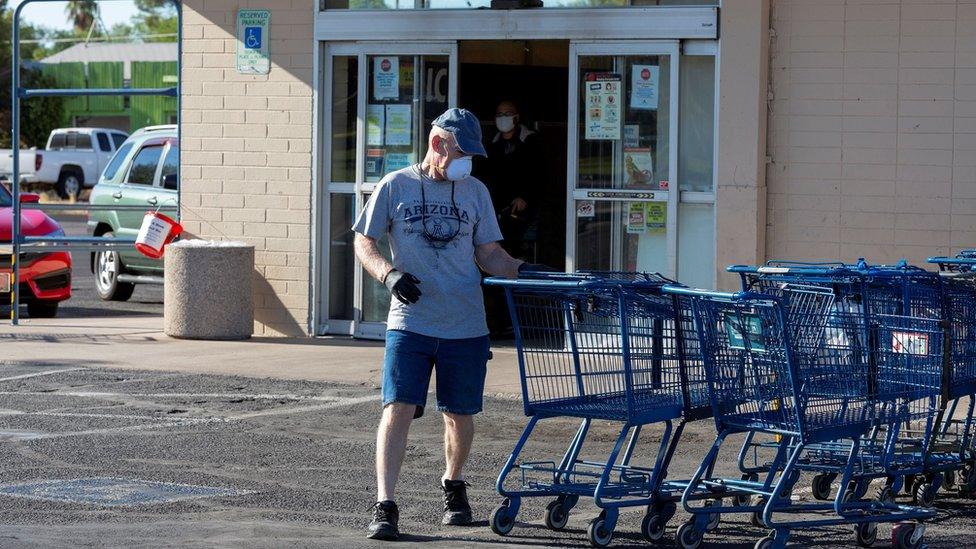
(252, 38)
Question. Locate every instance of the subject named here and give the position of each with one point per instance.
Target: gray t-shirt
(442, 256)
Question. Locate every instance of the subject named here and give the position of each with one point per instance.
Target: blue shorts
(461, 365)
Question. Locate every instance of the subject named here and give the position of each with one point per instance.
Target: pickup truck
(72, 160)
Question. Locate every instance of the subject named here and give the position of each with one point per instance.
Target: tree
(38, 115)
(82, 14)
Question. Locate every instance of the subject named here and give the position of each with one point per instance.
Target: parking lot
(116, 458)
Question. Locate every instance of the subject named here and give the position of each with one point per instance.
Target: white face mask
(505, 124)
(459, 168)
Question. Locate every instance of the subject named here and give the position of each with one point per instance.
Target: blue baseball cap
(465, 127)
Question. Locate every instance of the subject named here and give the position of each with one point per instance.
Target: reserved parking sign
(252, 41)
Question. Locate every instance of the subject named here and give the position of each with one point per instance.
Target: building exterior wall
(872, 129)
(246, 150)
(740, 193)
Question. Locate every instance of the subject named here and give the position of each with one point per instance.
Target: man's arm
(495, 260)
(371, 258)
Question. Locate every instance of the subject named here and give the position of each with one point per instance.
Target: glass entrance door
(379, 102)
(622, 157)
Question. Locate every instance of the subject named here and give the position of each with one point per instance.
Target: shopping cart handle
(953, 260)
(535, 282)
(699, 292)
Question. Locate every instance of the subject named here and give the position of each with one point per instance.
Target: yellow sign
(656, 217)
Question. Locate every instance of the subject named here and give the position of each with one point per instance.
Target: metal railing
(19, 242)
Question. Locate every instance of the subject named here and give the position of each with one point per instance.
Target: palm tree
(81, 13)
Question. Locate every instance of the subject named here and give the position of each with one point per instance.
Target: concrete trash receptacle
(207, 293)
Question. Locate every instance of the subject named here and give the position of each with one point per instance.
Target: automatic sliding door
(382, 108)
(622, 158)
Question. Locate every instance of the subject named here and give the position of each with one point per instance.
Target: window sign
(375, 117)
(602, 106)
(252, 41)
(386, 77)
(644, 82)
(398, 124)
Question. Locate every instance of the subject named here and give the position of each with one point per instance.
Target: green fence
(142, 111)
(149, 111)
(106, 75)
(69, 75)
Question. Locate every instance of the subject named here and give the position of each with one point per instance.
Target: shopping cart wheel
(598, 532)
(857, 489)
(909, 484)
(502, 520)
(556, 515)
(713, 518)
(907, 535)
(688, 537)
(866, 533)
(821, 486)
(756, 517)
(652, 527)
(968, 478)
(886, 495)
(924, 494)
(949, 480)
(765, 543)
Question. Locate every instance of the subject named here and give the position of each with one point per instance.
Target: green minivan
(143, 172)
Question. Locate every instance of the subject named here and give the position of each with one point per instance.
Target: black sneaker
(385, 519)
(457, 512)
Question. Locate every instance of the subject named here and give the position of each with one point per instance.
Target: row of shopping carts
(856, 375)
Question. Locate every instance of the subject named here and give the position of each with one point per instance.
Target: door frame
(579, 49)
(324, 187)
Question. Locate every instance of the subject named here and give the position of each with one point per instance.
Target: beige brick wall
(246, 150)
(872, 129)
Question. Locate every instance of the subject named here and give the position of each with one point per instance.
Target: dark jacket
(514, 170)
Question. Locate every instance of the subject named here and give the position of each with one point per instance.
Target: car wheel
(42, 309)
(108, 266)
(69, 185)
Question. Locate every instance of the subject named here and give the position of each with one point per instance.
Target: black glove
(527, 269)
(403, 286)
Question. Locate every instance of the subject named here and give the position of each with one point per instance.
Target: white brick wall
(872, 129)
(247, 150)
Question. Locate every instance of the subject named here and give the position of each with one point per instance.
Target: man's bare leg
(391, 445)
(458, 436)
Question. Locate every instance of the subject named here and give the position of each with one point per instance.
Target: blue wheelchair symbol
(252, 38)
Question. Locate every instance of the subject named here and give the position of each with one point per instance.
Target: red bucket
(157, 231)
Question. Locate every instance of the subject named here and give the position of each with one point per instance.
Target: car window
(84, 141)
(143, 168)
(103, 143)
(57, 141)
(116, 162)
(171, 169)
(118, 139)
(5, 200)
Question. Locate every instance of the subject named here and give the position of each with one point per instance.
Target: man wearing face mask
(441, 227)
(515, 175)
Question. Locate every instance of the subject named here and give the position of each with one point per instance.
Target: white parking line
(339, 402)
(234, 396)
(39, 374)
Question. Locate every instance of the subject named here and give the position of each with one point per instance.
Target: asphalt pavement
(115, 458)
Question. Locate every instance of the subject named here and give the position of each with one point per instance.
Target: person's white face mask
(505, 124)
(459, 168)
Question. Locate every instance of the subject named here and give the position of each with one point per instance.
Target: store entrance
(532, 74)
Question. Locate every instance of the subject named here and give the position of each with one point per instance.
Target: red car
(45, 277)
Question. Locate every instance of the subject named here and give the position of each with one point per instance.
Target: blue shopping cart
(606, 346)
(959, 276)
(776, 363)
(914, 452)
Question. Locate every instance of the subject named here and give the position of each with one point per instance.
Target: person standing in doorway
(515, 176)
(441, 227)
